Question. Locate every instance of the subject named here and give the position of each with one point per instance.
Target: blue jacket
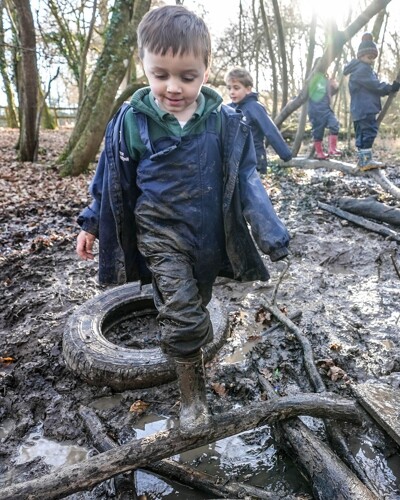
(262, 126)
(365, 89)
(111, 214)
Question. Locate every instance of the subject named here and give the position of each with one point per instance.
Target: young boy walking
(173, 194)
(366, 91)
(240, 84)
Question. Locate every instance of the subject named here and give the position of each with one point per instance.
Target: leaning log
(140, 452)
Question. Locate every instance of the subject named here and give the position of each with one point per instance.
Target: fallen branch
(381, 179)
(332, 429)
(196, 479)
(360, 221)
(347, 168)
(124, 484)
(140, 452)
(329, 477)
(395, 265)
(170, 469)
(313, 164)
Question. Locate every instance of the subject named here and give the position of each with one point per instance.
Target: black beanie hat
(367, 46)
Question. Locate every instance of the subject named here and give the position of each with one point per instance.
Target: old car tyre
(99, 362)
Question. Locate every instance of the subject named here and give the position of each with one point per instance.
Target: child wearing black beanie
(366, 91)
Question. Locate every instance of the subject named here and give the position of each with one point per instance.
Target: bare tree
(98, 101)
(332, 50)
(27, 82)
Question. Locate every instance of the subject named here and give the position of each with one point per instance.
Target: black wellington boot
(194, 415)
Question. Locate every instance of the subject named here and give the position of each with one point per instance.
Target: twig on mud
(395, 265)
(274, 293)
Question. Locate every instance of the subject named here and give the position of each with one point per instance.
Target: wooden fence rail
(64, 116)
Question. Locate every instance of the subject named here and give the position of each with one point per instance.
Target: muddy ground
(342, 278)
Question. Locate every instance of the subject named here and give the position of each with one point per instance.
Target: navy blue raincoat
(111, 216)
(262, 127)
(365, 89)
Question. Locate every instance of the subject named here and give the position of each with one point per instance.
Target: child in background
(366, 91)
(174, 192)
(320, 91)
(240, 84)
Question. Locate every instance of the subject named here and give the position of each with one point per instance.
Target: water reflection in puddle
(6, 428)
(106, 402)
(249, 457)
(53, 453)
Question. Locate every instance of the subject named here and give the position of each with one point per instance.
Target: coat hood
(352, 66)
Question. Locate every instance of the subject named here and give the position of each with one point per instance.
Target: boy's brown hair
(241, 75)
(177, 28)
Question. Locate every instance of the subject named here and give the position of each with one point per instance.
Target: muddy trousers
(366, 131)
(180, 298)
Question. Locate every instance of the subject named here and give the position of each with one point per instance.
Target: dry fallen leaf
(7, 361)
(336, 373)
(219, 389)
(139, 407)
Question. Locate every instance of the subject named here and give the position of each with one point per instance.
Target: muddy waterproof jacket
(262, 127)
(365, 89)
(114, 189)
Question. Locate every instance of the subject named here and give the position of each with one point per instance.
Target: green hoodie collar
(143, 100)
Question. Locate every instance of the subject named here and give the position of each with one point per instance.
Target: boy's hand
(395, 86)
(84, 245)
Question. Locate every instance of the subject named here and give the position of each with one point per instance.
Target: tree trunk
(95, 110)
(272, 58)
(309, 64)
(27, 83)
(282, 50)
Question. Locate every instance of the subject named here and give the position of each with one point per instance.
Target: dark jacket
(262, 127)
(365, 89)
(111, 215)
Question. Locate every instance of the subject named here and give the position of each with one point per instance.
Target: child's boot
(365, 161)
(332, 145)
(319, 151)
(194, 413)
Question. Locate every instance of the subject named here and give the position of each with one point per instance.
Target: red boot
(332, 143)
(319, 152)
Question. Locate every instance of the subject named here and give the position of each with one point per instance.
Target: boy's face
(237, 91)
(368, 58)
(175, 81)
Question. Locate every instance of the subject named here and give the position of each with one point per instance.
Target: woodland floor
(341, 278)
